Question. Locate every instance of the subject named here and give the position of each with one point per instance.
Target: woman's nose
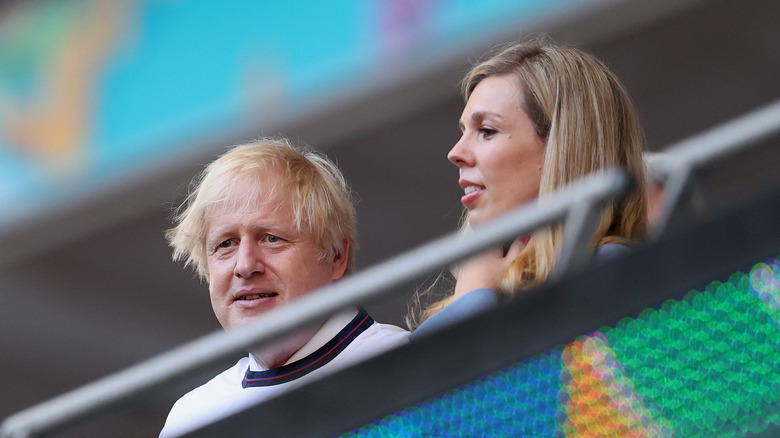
(460, 154)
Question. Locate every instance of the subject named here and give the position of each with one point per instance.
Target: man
(265, 225)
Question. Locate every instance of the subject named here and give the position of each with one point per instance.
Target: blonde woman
(538, 116)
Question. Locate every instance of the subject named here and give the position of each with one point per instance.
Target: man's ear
(340, 259)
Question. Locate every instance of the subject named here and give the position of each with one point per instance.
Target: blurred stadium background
(107, 110)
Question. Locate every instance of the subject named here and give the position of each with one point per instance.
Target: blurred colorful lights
(703, 366)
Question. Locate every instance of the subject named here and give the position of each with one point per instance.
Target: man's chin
(238, 321)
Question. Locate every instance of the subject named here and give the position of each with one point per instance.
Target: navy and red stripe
(314, 361)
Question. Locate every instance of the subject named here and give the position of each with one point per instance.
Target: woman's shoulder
(609, 251)
(465, 306)
(484, 298)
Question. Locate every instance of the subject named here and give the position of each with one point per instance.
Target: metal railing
(722, 141)
(367, 285)
(687, 257)
(574, 205)
(393, 388)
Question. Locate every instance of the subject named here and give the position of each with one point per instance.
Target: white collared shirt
(344, 339)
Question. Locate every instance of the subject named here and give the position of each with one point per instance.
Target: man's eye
(270, 238)
(225, 244)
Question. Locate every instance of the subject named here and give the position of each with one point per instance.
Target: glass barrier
(702, 365)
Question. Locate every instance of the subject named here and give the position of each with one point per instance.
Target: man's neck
(278, 353)
(309, 341)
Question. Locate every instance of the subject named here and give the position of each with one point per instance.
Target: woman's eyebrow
(481, 115)
(478, 116)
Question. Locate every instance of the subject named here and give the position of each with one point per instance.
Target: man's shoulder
(380, 337)
(226, 382)
(207, 401)
(389, 331)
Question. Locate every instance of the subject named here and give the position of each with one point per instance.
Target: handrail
(369, 284)
(573, 202)
(712, 144)
(446, 362)
(552, 314)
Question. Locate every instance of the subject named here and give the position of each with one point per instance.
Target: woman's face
(499, 155)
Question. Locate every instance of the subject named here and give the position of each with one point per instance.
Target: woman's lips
(471, 192)
(470, 197)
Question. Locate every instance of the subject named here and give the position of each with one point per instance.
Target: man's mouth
(251, 297)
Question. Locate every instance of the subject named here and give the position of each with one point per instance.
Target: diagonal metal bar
(171, 367)
(728, 138)
(581, 223)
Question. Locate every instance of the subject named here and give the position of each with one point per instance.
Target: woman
(538, 117)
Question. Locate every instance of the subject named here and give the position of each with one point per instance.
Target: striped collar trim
(322, 356)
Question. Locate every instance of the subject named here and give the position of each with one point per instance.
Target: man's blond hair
(317, 193)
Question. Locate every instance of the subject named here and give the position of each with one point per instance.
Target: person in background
(538, 116)
(266, 224)
(658, 164)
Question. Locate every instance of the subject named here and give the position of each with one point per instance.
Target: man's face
(257, 260)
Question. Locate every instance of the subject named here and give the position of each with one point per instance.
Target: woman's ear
(340, 259)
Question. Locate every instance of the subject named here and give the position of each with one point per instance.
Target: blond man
(266, 224)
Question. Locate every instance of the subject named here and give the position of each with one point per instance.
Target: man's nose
(249, 259)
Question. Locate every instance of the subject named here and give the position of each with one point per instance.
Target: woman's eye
(486, 132)
(225, 244)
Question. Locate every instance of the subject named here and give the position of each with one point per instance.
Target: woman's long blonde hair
(588, 123)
